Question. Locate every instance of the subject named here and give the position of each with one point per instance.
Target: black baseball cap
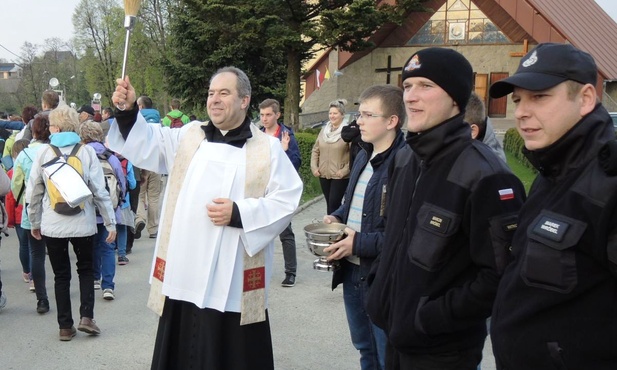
(86, 108)
(548, 65)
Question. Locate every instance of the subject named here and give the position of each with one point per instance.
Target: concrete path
(309, 327)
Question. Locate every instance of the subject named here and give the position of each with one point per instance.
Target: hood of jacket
(151, 115)
(62, 139)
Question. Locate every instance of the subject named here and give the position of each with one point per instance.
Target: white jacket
(55, 225)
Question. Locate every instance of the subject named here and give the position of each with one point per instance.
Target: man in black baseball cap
(86, 112)
(448, 197)
(556, 303)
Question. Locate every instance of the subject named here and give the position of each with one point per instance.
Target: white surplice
(205, 262)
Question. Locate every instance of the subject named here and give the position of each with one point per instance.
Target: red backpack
(175, 122)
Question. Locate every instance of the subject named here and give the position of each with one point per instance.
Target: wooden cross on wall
(524, 52)
(389, 69)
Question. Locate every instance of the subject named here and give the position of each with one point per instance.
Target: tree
(269, 38)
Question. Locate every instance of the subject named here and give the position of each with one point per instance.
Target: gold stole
(257, 178)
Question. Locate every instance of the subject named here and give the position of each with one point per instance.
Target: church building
(492, 34)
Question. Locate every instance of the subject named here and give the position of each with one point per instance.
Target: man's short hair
(475, 113)
(50, 99)
(64, 118)
(243, 85)
(391, 98)
(271, 103)
(28, 113)
(144, 101)
(175, 103)
(109, 111)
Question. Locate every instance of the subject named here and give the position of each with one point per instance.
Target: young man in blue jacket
(269, 113)
(381, 116)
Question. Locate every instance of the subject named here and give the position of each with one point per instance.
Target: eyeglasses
(367, 115)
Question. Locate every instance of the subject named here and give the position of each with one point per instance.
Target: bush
(306, 140)
(513, 143)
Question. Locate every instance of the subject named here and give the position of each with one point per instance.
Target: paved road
(309, 327)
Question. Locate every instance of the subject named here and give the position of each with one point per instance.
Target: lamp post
(53, 84)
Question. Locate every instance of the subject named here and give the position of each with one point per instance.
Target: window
(458, 22)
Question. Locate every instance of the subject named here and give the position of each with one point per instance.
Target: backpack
(58, 204)
(112, 183)
(175, 122)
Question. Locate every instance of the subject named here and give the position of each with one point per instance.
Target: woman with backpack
(104, 256)
(55, 219)
(19, 182)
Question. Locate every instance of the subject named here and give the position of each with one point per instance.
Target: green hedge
(311, 183)
(513, 143)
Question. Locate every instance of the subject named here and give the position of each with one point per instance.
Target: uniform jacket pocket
(550, 258)
(434, 231)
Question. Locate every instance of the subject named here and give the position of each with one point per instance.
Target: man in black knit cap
(556, 306)
(451, 211)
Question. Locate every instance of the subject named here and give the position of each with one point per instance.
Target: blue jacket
(151, 115)
(293, 151)
(367, 243)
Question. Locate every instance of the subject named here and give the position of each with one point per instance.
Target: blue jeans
(24, 249)
(104, 259)
(37, 264)
(121, 237)
(365, 336)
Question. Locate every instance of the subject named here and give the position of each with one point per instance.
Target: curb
(308, 203)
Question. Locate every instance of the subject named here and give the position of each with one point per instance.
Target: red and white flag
(505, 194)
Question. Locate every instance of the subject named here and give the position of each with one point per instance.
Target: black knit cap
(447, 68)
(548, 65)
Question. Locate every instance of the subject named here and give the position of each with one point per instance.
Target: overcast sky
(37, 20)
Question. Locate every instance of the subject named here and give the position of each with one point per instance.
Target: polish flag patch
(505, 194)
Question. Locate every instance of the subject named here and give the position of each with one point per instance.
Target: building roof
(583, 23)
(8, 67)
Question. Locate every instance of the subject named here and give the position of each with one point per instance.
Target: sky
(36, 20)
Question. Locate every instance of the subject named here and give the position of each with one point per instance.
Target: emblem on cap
(533, 58)
(414, 63)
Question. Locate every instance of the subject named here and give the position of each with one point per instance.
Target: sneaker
(26, 277)
(108, 294)
(2, 300)
(87, 325)
(42, 306)
(152, 236)
(290, 280)
(122, 260)
(97, 284)
(67, 334)
(138, 228)
(31, 287)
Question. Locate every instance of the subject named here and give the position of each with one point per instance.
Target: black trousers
(453, 360)
(58, 250)
(334, 191)
(192, 338)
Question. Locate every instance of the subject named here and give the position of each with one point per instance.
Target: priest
(231, 191)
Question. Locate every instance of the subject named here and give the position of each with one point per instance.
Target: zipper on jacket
(422, 165)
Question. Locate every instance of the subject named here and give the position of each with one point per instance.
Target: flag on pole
(327, 74)
(318, 78)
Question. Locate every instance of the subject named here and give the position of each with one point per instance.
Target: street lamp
(53, 84)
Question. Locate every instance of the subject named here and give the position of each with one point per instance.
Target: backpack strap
(168, 116)
(75, 150)
(56, 150)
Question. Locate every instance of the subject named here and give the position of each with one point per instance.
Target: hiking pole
(131, 7)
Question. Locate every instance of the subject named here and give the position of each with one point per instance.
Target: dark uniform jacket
(451, 212)
(367, 243)
(557, 302)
